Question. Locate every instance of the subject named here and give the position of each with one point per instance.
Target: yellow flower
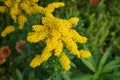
(39, 34)
(85, 54)
(39, 28)
(39, 59)
(36, 9)
(50, 8)
(34, 37)
(31, 7)
(56, 33)
(2, 9)
(21, 20)
(34, 0)
(58, 49)
(15, 11)
(35, 62)
(73, 20)
(71, 45)
(7, 30)
(45, 55)
(9, 3)
(17, 7)
(26, 7)
(65, 62)
(77, 37)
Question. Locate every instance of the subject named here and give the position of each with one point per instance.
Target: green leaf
(72, 64)
(90, 59)
(88, 64)
(66, 76)
(83, 77)
(11, 78)
(19, 59)
(56, 76)
(85, 47)
(104, 58)
(19, 75)
(117, 73)
(96, 55)
(31, 75)
(110, 76)
(112, 63)
(110, 68)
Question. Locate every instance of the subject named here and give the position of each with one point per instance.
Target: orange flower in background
(2, 60)
(94, 2)
(5, 51)
(20, 44)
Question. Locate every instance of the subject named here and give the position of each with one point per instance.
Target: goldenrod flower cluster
(2, 9)
(65, 62)
(21, 20)
(56, 33)
(7, 30)
(18, 8)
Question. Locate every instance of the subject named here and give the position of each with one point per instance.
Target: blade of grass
(114, 62)
(104, 58)
(110, 68)
(90, 59)
(19, 75)
(88, 64)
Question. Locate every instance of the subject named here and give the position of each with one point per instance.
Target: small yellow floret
(35, 62)
(73, 20)
(50, 8)
(39, 59)
(21, 21)
(2, 9)
(65, 62)
(34, 0)
(85, 54)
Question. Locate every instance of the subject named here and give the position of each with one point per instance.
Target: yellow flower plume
(56, 33)
(21, 20)
(7, 30)
(65, 62)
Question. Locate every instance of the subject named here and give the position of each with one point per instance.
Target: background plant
(100, 23)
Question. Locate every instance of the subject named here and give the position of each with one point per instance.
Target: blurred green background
(100, 23)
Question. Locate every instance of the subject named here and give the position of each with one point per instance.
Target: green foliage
(104, 70)
(19, 75)
(100, 23)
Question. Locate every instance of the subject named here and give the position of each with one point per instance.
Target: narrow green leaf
(90, 59)
(11, 78)
(117, 73)
(104, 57)
(112, 63)
(72, 64)
(110, 68)
(110, 76)
(67, 14)
(85, 47)
(19, 58)
(19, 75)
(88, 64)
(58, 75)
(83, 77)
(66, 76)
(31, 75)
(76, 74)
(96, 55)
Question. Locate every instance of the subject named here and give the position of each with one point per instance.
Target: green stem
(96, 75)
